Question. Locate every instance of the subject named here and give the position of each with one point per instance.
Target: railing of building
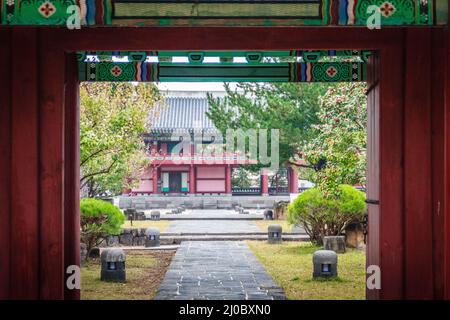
(238, 191)
(278, 190)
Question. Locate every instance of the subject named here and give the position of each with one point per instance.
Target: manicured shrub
(322, 215)
(98, 219)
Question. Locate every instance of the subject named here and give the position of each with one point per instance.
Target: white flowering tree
(338, 146)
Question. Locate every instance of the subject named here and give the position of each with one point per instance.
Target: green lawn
(290, 264)
(263, 224)
(160, 224)
(144, 271)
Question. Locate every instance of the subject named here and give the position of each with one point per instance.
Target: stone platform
(198, 201)
(206, 225)
(207, 214)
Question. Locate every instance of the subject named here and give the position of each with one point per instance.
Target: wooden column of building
(446, 207)
(438, 138)
(33, 206)
(51, 168)
(192, 179)
(5, 163)
(264, 183)
(389, 232)
(424, 164)
(25, 172)
(228, 187)
(72, 172)
(192, 176)
(155, 179)
(293, 178)
(418, 234)
(406, 229)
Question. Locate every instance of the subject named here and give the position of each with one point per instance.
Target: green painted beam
(230, 13)
(226, 57)
(276, 72)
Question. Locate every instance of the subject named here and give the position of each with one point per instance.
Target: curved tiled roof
(181, 113)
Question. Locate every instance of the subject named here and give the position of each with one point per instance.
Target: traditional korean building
(186, 158)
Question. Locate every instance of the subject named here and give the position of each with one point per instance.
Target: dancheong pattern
(223, 12)
(114, 71)
(265, 66)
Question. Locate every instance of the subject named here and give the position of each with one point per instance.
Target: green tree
(290, 107)
(339, 139)
(98, 219)
(322, 216)
(113, 117)
(241, 177)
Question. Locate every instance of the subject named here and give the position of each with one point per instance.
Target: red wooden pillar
(192, 179)
(293, 177)
(51, 168)
(25, 171)
(264, 183)
(438, 137)
(446, 208)
(417, 183)
(389, 236)
(72, 171)
(228, 179)
(155, 179)
(5, 163)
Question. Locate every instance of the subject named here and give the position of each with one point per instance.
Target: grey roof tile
(181, 113)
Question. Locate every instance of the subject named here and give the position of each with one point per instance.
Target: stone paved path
(212, 226)
(217, 270)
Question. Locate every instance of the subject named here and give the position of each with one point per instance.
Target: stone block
(155, 215)
(224, 204)
(83, 252)
(152, 237)
(268, 214)
(209, 204)
(354, 236)
(139, 241)
(113, 265)
(112, 241)
(325, 264)
(126, 239)
(334, 243)
(140, 206)
(274, 233)
(127, 230)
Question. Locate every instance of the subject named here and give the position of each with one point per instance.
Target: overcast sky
(192, 86)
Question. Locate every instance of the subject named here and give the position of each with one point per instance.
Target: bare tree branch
(98, 172)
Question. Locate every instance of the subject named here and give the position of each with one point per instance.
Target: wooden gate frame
(408, 128)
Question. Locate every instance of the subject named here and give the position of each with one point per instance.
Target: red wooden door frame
(406, 100)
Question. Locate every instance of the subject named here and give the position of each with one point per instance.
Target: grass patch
(290, 264)
(145, 270)
(263, 224)
(160, 224)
